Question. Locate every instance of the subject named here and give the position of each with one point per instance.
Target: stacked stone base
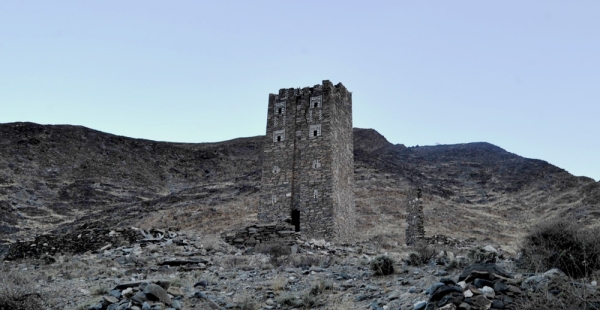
(415, 229)
(261, 233)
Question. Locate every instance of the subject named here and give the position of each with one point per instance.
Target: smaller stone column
(414, 217)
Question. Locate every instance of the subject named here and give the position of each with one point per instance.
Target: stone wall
(261, 233)
(308, 162)
(415, 229)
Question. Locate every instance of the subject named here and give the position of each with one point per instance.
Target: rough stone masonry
(308, 164)
(415, 230)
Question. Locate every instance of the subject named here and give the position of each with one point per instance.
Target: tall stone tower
(308, 164)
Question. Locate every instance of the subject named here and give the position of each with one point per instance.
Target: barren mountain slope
(53, 175)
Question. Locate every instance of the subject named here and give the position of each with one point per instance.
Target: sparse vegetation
(305, 301)
(278, 283)
(245, 302)
(479, 254)
(277, 252)
(562, 244)
(320, 287)
(422, 254)
(100, 289)
(382, 265)
(304, 261)
(17, 292)
(560, 296)
(236, 261)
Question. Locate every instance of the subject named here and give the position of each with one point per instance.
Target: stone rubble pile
(141, 295)
(261, 233)
(480, 286)
(78, 241)
(450, 241)
(191, 271)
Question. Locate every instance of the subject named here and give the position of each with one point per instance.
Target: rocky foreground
(74, 194)
(161, 269)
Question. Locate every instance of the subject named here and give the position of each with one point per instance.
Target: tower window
(316, 102)
(314, 131)
(278, 135)
(280, 107)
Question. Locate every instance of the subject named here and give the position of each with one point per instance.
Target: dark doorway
(296, 219)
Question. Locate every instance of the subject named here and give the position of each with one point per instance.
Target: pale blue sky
(523, 75)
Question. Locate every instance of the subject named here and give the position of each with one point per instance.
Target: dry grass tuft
(17, 292)
(560, 296)
(277, 251)
(207, 219)
(422, 253)
(278, 283)
(562, 244)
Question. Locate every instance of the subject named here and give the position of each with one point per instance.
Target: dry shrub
(321, 286)
(236, 261)
(278, 283)
(479, 255)
(17, 292)
(560, 296)
(277, 251)
(422, 254)
(385, 240)
(304, 261)
(382, 265)
(305, 301)
(562, 244)
(245, 301)
(212, 243)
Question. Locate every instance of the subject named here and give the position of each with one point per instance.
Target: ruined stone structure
(308, 164)
(261, 233)
(414, 217)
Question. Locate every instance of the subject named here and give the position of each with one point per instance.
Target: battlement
(326, 86)
(308, 166)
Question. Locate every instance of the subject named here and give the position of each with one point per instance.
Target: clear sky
(523, 75)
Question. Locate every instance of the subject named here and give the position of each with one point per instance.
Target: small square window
(314, 131)
(316, 102)
(279, 135)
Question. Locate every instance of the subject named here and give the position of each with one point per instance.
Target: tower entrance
(296, 219)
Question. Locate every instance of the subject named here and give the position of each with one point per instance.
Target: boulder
(157, 293)
(490, 271)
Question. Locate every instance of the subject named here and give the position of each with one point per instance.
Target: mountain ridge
(52, 176)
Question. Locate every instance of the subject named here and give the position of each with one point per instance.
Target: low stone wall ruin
(261, 233)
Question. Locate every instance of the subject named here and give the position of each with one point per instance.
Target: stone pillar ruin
(414, 217)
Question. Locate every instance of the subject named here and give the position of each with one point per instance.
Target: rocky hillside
(51, 176)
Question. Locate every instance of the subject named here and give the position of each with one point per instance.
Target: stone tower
(308, 164)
